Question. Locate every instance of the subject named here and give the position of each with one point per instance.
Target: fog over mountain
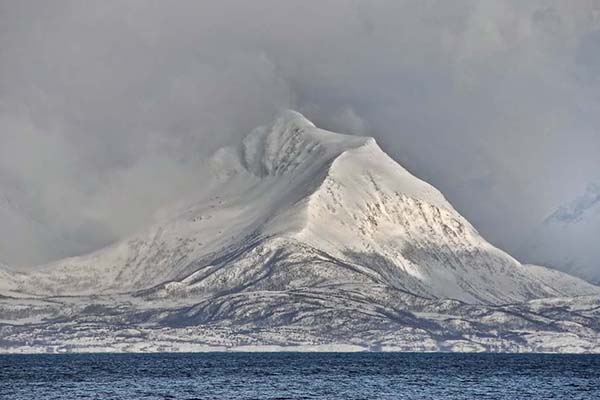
(108, 109)
(568, 239)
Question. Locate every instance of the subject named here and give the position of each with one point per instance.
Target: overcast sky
(107, 108)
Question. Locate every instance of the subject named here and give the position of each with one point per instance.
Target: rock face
(568, 239)
(308, 238)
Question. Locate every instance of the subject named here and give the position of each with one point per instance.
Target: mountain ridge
(299, 235)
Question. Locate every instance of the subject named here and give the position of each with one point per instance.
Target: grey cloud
(107, 108)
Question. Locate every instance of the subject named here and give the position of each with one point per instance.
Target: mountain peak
(293, 118)
(290, 142)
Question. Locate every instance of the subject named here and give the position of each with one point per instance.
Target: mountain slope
(568, 239)
(300, 207)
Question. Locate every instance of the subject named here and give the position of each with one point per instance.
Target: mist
(107, 109)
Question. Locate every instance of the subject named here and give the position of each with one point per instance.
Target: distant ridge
(568, 239)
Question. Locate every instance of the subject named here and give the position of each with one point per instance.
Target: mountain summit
(308, 232)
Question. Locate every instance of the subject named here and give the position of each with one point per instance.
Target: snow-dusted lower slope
(300, 236)
(568, 239)
(344, 318)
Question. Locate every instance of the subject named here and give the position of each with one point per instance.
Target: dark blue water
(299, 376)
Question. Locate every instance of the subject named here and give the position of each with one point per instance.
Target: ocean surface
(299, 376)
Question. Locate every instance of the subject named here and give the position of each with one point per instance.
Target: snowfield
(301, 239)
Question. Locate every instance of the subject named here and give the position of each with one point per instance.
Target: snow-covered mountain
(307, 237)
(298, 206)
(568, 239)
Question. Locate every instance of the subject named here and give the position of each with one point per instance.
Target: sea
(233, 376)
